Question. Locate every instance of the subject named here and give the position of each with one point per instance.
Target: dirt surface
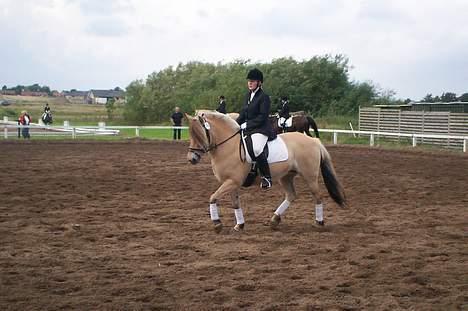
(125, 226)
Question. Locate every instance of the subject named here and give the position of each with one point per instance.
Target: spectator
(176, 120)
(221, 105)
(25, 120)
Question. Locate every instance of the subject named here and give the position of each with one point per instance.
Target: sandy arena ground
(125, 226)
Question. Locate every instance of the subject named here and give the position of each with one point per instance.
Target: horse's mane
(219, 116)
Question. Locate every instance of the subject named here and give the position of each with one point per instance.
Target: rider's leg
(258, 142)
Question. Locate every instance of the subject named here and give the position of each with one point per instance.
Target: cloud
(107, 27)
(397, 44)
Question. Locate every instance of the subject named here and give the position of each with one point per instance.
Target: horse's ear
(187, 116)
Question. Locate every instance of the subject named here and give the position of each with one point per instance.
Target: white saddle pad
(277, 151)
(288, 122)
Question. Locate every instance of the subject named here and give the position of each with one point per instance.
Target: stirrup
(265, 183)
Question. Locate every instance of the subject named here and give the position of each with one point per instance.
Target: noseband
(211, 146)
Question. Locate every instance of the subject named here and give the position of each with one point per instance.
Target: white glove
(244, 126)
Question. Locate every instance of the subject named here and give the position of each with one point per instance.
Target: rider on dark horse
(253, 119)
(47, 115)
(283, 112)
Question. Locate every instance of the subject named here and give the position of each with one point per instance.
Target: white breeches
(258, 142)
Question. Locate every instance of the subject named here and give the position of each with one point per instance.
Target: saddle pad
(288, 122)
(277, 151)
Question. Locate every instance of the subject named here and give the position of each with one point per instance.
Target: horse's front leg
(237, 211)
(227, 186)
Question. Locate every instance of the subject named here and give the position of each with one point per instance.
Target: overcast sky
(412, 47)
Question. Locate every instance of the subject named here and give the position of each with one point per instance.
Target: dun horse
(218, 134)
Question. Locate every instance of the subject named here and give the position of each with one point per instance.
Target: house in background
(102, 96)
(75, 97)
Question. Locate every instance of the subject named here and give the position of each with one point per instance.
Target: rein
(208, 136)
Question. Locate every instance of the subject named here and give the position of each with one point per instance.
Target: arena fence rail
(10, 130)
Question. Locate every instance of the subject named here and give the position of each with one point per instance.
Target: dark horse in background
(300, 123)
(47, 118)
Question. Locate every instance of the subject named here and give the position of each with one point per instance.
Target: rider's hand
(244, 125)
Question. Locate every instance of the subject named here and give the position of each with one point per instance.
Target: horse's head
(199, 137)
(204, 128)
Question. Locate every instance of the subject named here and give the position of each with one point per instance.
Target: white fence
(114, 130)
(408, 122)
(463, 140)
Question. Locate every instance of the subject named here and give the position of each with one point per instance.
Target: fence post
(465, 143)
(335, 138)
(74, 133)
(5, 132)
(414, 141)
(371, 140)
(137, 131)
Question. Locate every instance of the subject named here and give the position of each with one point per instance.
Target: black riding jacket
(222, 107)
(256, 113)
(283, 109)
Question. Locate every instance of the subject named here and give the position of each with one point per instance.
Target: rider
(253, 119)
(222, 105)
(283, 111)
(47, 115)
(47, 108)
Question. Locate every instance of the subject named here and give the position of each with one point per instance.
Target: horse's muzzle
(193, 157)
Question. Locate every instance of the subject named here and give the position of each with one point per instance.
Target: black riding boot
(264, 169)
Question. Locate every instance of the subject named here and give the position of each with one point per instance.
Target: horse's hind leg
(287, 182)
(312, 182)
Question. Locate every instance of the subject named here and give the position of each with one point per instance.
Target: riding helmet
(255, 74)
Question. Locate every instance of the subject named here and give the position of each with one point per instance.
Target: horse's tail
(314, 126)
(334, 187)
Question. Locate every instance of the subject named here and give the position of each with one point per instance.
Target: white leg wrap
(214, 211)
(282, 208)
(319, 212)
(239, 216)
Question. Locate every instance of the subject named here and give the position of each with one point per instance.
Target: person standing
(25, 120)
(222, 105)
(176, 119)
(254, 120)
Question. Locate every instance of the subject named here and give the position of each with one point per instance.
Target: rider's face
(252, 84)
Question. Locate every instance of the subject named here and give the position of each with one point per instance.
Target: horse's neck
(229, 150)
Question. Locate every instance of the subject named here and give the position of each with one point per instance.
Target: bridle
(211, 146)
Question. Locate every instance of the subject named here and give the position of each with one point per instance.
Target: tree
(18, 89)
(428, 98)
(463, 97)
(4, 88)
(110, 107)
(448, 97)
(319, 85)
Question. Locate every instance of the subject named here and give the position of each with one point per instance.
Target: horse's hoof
(218, 227)
(239, 228)
(320, 223)
(275, 221)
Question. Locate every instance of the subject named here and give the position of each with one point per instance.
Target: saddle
(286, 122)
(275, 151)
